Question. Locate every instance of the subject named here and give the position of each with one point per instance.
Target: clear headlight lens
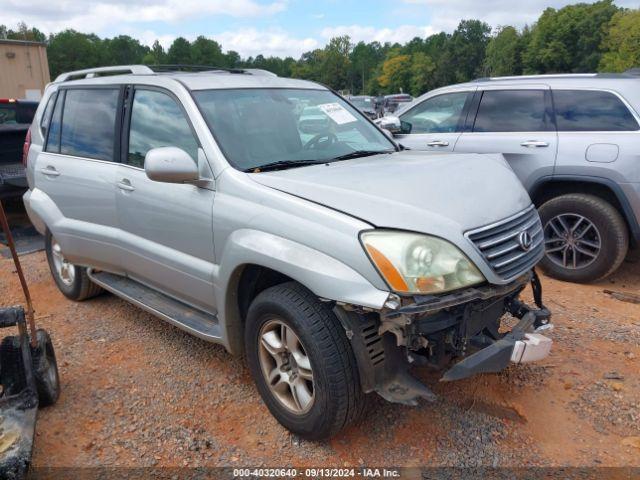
(416, 263)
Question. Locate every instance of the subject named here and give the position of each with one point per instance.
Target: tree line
(576, 38)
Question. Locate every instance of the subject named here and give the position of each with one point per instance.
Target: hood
(417, 191)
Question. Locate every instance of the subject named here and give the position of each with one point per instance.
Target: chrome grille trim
(499, 246)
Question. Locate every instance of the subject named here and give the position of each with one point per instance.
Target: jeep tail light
(25, 148)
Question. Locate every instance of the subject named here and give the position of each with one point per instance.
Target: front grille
(502, 247)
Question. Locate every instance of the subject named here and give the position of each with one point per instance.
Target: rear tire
(608, 230)
(72, 280)
(318, 342)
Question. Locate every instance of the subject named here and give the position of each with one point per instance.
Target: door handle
(125, 184)
(50, 171)
(534, 144)
(438, 143)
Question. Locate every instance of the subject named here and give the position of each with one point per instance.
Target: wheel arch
(547, 188)
(253, 261)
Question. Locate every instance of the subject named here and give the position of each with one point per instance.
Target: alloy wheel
(66, 271)
(286, 366)
(572, 241)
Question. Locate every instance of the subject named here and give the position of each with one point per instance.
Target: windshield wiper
(281, 164)
(359, 154)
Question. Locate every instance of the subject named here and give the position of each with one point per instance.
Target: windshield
(362, 102)
(258, 127)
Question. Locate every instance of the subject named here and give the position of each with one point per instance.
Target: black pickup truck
(15, 120)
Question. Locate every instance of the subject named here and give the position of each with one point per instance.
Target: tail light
(25, 148)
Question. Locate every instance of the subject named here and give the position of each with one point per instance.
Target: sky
(271, 27)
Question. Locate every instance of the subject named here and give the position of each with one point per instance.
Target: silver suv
(271, 216)
(574, 142)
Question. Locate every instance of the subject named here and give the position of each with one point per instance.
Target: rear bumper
(35, 219)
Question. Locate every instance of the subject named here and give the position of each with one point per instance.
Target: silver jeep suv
(271, 216)
(574, 142)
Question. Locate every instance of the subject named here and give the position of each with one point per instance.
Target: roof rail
(260, 72)
(633, 71)
(534, 77)
(179, 67)
(96, 72)
(210, 68)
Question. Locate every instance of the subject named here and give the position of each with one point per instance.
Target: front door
(166, 228)
(434, 124)
(518, 123)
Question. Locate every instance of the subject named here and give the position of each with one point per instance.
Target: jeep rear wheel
(72, 280)
(302, 362)
(586, 238)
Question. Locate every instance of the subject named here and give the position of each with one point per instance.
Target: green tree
(336, 64)
(71, 50)
(205, 51)
(466, 50)
(504, 53)
(180, 52)
(123, 50)
(23, 32)
(622, 42)
(422, 68)
(569, 39)
(155, 56)
(364, 59)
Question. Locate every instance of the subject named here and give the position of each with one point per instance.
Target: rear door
(518, 122)
(595, 129)
(435, 123)
(166, 228)
(77, 169)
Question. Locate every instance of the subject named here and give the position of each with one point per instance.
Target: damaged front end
(460, 331)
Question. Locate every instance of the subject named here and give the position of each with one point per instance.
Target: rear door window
(440, 114)
(591, 111)
(158, 121)
(513, 111)
(89, 123)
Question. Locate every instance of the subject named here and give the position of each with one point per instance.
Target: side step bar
(185, 317)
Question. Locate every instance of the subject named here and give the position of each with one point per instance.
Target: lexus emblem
(525, 241)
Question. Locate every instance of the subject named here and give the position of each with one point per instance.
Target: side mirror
(390, 123)
(170, 165)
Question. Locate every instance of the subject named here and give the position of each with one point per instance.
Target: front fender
(325, 276)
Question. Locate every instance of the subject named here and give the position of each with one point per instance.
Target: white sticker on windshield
(337, 113)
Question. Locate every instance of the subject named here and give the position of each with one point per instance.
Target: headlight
(415, 263)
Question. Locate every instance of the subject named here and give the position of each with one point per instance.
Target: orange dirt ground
(139, 392)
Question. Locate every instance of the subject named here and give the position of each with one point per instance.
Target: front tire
(586, 238)
(302, 362)
(72, 280)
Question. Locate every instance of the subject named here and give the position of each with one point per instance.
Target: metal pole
(23, 282)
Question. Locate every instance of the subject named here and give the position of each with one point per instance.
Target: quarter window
(89, 123)
(53, 136)
(439, 114)
(157, 121)
(591, 111)
(513, 111)
(46, 116)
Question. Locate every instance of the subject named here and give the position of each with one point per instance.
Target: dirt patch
(139, 392)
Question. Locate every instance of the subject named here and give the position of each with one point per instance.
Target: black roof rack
(179, 67)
